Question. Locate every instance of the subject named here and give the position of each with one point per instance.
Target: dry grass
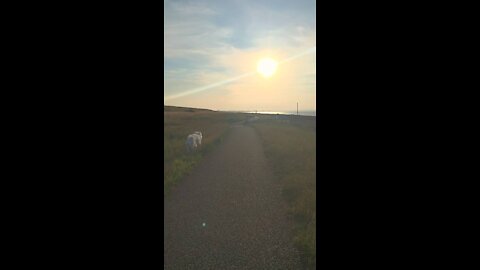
(291, 149)
(290, 146)
(178, 123)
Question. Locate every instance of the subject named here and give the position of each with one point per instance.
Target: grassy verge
(291, 150)
(178, 123)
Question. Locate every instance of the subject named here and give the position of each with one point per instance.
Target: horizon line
(226, 81)
(243, 110)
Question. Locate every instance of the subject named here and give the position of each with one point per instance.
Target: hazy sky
(209, 42)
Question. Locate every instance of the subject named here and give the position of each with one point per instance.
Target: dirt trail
(232, 192)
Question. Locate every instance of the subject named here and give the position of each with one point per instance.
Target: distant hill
(183, 109)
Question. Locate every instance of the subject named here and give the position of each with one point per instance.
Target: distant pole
(297, 107)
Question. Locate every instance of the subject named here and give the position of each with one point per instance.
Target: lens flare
(267, 66)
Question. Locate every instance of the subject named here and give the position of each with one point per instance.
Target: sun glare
(267, 67)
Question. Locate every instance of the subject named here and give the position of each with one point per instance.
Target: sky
(211, 50)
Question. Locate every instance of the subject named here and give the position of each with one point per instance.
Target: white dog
(193, 141)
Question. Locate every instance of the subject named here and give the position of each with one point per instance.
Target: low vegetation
(290, 146)
(178, 124)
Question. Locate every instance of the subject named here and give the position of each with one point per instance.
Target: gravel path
(228, 214)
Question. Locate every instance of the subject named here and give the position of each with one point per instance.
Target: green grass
(178, 124)
(289, 145)
(291, 150)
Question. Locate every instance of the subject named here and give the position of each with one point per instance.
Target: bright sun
(267, 67)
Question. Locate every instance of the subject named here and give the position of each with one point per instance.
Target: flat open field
(290, 146)
(178, 124)
(251, 185)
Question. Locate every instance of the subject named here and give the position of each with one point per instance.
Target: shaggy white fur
(193, 141)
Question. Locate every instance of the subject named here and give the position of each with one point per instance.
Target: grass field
(178, 124)
(290, 146)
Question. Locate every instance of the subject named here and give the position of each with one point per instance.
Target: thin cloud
(213, 41)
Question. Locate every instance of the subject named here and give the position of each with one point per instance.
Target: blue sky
(206, 42)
